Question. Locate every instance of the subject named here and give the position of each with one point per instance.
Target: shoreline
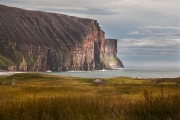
(82, 74)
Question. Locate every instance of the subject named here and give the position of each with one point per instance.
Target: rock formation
(40, 41)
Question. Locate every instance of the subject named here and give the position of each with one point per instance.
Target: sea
(126, 72)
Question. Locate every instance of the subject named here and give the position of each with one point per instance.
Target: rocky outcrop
(110, 50)
(40, 41)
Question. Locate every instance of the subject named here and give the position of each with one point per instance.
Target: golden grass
(44, 97)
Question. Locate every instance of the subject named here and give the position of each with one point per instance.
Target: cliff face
(39, 41)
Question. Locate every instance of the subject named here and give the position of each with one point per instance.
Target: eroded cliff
(40, 41)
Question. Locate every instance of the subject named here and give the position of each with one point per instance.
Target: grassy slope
(40, 97)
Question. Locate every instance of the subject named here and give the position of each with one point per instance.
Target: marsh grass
(43, 97)
(58, 108)
(85, 107)
(163, 107)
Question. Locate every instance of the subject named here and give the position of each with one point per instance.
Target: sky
(148, 31)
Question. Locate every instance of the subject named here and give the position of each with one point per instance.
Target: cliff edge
(40, 41)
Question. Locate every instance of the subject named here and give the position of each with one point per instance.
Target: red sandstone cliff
(39, 41)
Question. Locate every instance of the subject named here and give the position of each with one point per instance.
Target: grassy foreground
(44, 97)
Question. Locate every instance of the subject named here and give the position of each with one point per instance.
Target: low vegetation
(37, 96)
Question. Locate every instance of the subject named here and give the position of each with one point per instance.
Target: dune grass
(44, 97)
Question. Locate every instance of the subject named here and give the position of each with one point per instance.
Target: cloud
(145, 31)
(158, 31)
(148, 42)
(65, 6)
(175, 34)
(80, 10)
(162, 27)
(141, 32)
(168, 34)
(150, 50)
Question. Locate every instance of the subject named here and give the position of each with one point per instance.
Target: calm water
(139, 73)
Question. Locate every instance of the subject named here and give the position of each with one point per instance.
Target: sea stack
(40, 41)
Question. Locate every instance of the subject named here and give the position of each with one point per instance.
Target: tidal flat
(35, 96)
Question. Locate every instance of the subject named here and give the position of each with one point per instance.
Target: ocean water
(134, 73)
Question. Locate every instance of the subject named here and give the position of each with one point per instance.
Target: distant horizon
(148, 32)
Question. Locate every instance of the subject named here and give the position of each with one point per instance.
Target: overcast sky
(148, 31)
